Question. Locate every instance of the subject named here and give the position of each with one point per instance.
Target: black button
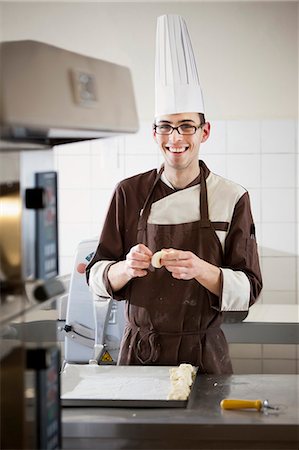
(35, 198)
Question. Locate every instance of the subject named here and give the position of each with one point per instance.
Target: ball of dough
(156, 259)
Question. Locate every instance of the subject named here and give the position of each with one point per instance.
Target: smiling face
(181, 151)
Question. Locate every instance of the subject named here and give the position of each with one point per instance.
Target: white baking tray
(118, 386)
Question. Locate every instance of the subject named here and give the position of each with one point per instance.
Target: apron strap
(204, 221)
(144, 213)
(148, 342)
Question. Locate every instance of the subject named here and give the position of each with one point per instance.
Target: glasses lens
(182, 129)
(163, 129)
(187, 129)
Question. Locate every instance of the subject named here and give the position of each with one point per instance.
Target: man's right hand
(138, 260)
(135, 265)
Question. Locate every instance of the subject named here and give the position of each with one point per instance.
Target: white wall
(248, 64)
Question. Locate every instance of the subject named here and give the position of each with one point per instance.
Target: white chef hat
(177, 87)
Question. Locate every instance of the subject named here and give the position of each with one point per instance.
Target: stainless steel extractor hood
(50, 96)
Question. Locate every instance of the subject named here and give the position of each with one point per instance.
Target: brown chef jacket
(172, 321)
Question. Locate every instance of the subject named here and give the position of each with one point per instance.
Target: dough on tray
(179, 393)
(185, 373)
(181, 379)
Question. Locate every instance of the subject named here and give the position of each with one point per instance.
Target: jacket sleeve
(241, 279)
(110, 249)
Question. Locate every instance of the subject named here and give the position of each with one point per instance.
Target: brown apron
(171, 321)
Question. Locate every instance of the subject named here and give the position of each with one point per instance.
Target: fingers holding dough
(156, 259)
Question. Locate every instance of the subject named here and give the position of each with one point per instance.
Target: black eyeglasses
(185, 128)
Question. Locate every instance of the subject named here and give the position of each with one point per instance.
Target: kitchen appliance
(48, 96)
(28, 219)
(93, 327)
(29, 269)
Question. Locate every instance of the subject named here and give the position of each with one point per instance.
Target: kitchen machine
(48, 96)
(92, 328)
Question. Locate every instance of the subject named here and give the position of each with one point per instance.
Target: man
(202, 221)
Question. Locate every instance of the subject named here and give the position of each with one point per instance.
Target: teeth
(177, 149)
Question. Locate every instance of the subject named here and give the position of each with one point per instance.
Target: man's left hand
(183, 265)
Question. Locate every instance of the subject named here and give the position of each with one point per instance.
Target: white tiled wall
(265, 358)
(260, 155)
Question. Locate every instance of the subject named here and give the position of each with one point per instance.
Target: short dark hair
(202, 118)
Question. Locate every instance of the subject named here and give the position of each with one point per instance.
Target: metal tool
(259, 405)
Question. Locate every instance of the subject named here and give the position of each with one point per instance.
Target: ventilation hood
(50, 96)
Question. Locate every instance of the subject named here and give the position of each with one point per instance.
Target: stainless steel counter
(266, 324)
(202, 425)
(261, 333)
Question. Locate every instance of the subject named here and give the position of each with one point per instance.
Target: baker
(201, 221)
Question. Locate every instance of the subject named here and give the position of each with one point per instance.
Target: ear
(154, 135)
(205, 131)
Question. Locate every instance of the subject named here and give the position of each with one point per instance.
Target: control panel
(46, 244)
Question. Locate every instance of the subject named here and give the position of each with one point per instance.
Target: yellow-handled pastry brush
(259, 405)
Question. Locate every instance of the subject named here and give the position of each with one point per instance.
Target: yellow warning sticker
(106, 357)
